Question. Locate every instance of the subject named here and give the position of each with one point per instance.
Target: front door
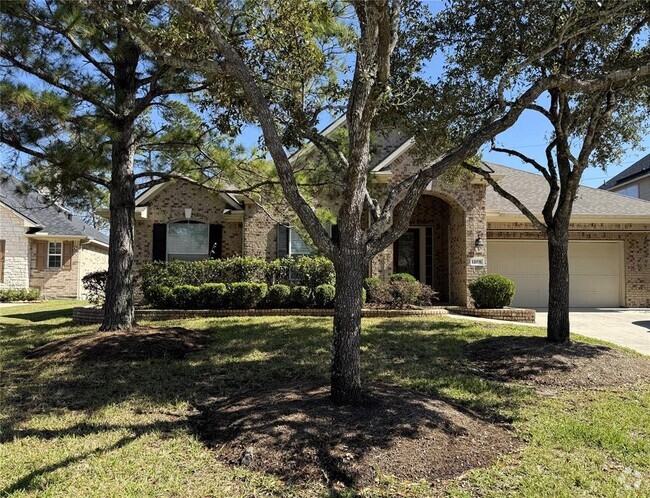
(406, 253)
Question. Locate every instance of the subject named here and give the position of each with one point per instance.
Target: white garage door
(595, 271)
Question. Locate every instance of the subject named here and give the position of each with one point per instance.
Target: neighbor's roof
(639, 168)
(532, 189)
(45, 216)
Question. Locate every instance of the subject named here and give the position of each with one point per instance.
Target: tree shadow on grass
(41, 316)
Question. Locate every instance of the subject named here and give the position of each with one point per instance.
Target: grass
(121, 429)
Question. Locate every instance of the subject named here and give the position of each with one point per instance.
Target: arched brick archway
(443, 228)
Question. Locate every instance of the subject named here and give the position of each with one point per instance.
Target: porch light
(188, 213)
(479, 244)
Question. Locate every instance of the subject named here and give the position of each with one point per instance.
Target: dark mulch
(140, 343)
(576, 365)
(296, 433)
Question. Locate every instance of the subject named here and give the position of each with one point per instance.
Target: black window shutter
(216, 241)
(335, 234)
(283, 240)
(159, 252)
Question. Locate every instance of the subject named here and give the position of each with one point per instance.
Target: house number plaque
(478, 261)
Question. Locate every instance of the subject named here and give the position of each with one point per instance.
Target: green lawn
(120, 429)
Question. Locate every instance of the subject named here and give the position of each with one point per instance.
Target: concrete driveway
(623, 326)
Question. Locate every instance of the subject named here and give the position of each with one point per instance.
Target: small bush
(373, 287)
(312, 272)
(246, 295)
(94, 284)
(492, 291)
(159, 296)
(402, 277)
(185, 297)
(324, 296)
(405, 292)
(279, 296)
(243, 269)
(11, 295)
(301, 296)
(213, 296)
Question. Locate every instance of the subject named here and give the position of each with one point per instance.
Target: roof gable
(638, 169)
(45, 217)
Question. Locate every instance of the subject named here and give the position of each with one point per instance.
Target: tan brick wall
(16, 264)
(93, 257)
(169, 205)
(636, 241)
(260, 233)
(56, 282)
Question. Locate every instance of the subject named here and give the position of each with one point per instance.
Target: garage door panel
(595, 271)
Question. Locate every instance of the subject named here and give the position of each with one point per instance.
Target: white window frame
(59, 254)
(293, 233)
(630, 191)
(207, 242)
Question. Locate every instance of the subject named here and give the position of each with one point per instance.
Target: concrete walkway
(623, 326)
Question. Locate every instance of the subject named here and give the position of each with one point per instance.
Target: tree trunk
(558, 329)
(346, 355)
(119, 309)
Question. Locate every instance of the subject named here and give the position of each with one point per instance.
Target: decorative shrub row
(10, 295)
(402, 290)
(306, 271)
(239, 295)
(492, 291)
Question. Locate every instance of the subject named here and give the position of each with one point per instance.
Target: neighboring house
(43, 246)
(458, 232)
(633, 181)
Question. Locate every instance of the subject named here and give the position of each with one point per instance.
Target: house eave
(498, 217)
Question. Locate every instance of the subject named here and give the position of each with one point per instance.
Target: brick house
(44, 246)
(633, 181)
(458, 232)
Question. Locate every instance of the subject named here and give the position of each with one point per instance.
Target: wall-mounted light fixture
(188, 213)
(479, 243)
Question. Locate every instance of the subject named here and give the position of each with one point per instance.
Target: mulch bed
(296, 433)
(140, 343)
(576, 365)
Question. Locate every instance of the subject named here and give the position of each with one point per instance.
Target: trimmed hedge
(324, 295)
(301, 296)
(308, 271)
(246, 295)
(404, 290)
(492, 291)
(279, 296)
(10, 295)
(213, 296)
(402, 277)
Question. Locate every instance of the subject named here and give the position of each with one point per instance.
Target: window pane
(631, 191)
(55, 247)
(187, 241)
(54, 261)
(298, 245)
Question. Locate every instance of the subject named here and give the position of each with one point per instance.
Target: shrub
(213, 296)
(405, 292)
(246, 295)
(185, 297)
(492, 291)
(279, 296)
(10, 295)
(301, 296)
(312, 272)
(243, 269)
(94, 284)
(427, 295)
(159, 296)
(373, 287)
(324, 295)
(402, 277)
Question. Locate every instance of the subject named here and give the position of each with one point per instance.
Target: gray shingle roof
(637, 169)
(532, 189)
(51, 219)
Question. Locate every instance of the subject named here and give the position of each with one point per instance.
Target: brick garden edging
(510, 314)
(86, 315)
